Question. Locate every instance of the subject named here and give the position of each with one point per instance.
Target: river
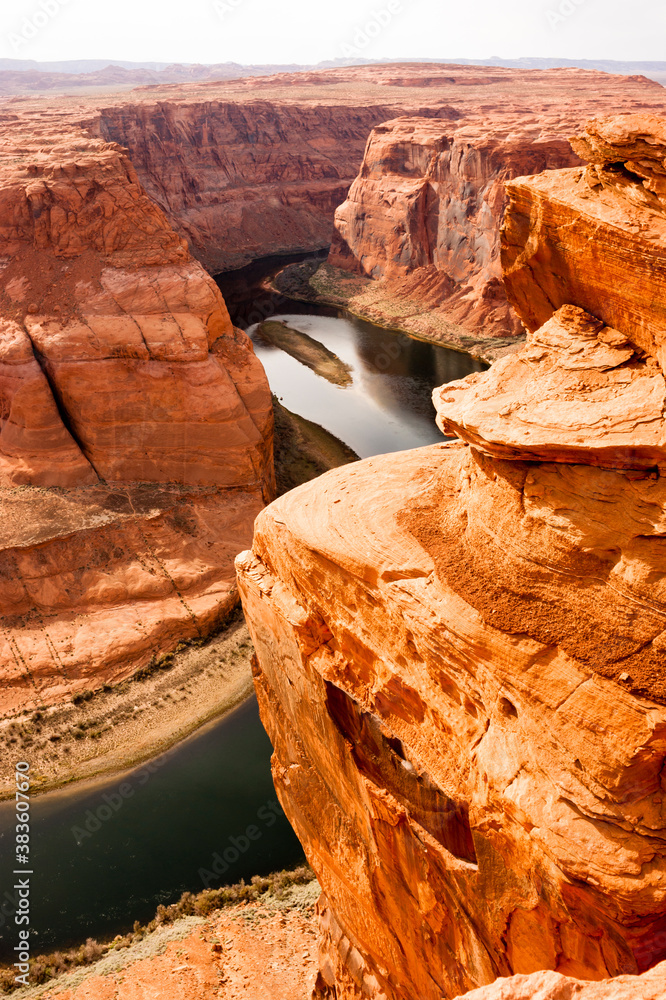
(103, 858)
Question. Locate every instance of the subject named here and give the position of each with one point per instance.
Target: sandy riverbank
(322, 284)
(118, 727)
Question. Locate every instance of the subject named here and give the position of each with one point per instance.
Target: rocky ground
(257, 950)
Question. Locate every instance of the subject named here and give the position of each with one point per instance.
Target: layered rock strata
(595, 235)
(423, 215)
(245, 180)
(135, 426)
(258, 166)
(251, 167)
(461, 667)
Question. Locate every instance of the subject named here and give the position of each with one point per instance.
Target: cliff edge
(135, 424)
(461, 648)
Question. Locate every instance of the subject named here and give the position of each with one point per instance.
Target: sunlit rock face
(135, 424)
(423, 215)
(245, 180)
(552, 986)
(256, 166)
(595, 235)
(461, 664)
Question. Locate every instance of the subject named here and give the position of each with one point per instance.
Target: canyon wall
(135, 424)
(249, 168)
(245, 180)
(460, 649)
(424, 213)
(422, 217)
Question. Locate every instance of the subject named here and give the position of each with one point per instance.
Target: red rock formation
(134, 418)
(424, 212)
(422, 217)
(258, 166)
(461, 668)
(245, 180)
(580, 392)
(595, 235)
(118, 363)
(551, 986)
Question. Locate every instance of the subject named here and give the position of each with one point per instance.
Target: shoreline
(104, 734)
(56, 972)
(116, 729)
(295, 281)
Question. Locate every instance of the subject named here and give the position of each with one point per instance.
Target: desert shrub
(43, 968)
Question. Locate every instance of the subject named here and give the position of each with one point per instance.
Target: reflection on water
(388, 407)
(211, 788)
(250, 299)
(106, 855)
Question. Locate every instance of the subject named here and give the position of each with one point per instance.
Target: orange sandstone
(551, 986)
(461, 652)
(135, 426)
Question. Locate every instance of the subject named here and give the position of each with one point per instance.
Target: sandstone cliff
(135, 424)
(424, 213)
(118, 363)
(245, 180)
(422, 217)
(253, 167)
(461, 648)
(596, 234)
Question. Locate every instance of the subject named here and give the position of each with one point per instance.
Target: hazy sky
(308, 31)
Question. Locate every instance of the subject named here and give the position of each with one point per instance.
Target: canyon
(135, 446)
(439, 633)
(420, 225)
(460, 648)
(136, 431)
(258, 166)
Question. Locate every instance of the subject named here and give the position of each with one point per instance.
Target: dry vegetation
(44, 968)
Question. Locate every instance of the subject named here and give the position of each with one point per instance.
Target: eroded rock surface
(469, 804)
(595, 235)
(461, 667)
(135, 425)
(577, 391)
(422, 217)
(551, 986)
